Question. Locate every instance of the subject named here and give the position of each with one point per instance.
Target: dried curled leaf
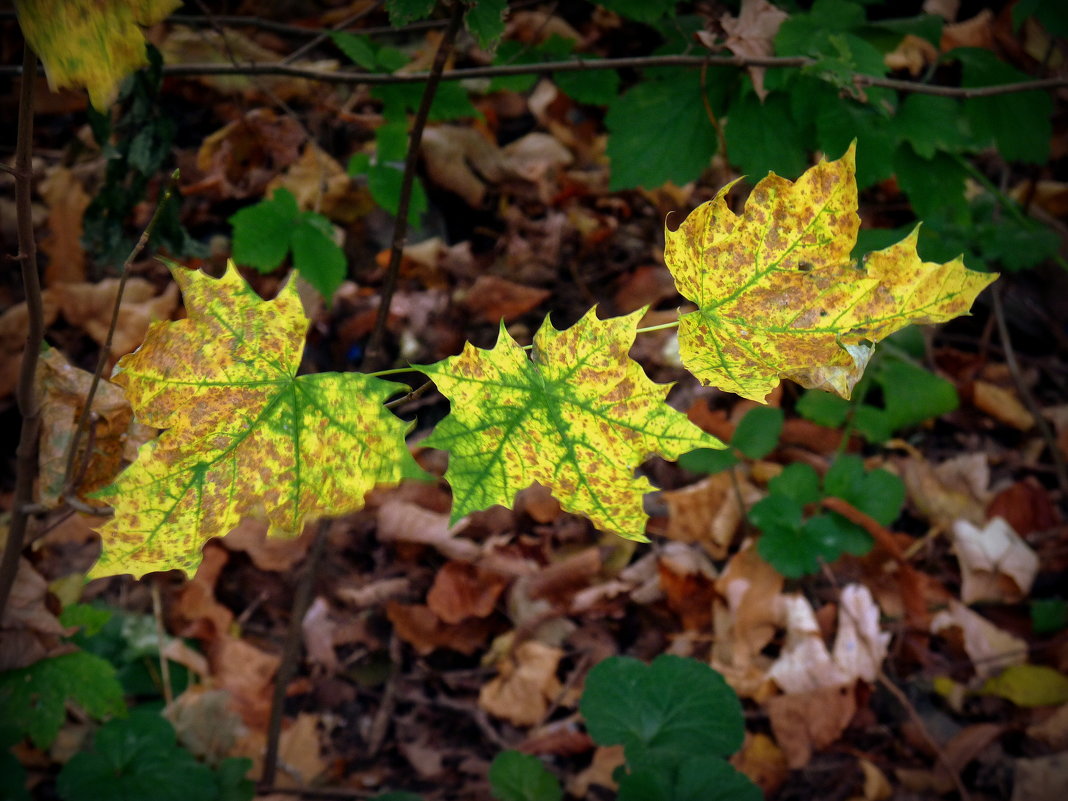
(578, 417)
(245, 436)
(778, 296)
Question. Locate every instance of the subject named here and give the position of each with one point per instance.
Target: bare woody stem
(26, 455)
(374, 355)
(71, 476)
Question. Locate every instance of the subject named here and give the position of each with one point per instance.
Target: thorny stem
(287, 667)
(374, 354)
(25, 394)
(70, 480)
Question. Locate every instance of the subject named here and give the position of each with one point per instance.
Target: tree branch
(26, 454)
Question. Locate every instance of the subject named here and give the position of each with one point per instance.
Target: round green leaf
(515, 776)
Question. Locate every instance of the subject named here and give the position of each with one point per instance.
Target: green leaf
(317, 257)
(1053, 15)
(578, 418)
(14, 786)
(878, 493)
(841, 120)
(595, 87)
(399, 795)
(758, 432)
(647, 11)
(1021, 122)
(933, 185)
(384, 183)
(357, 48)
(485, 20)
(663, 712)
(1049, 615)
(911, 394)
(232, 782)
(697, 779)
(515, 776)
(262, 231)
(136, 758)
(708, 460)
(244, 435)
(823, 408)
(450, 102)
(33, 699)
(90, 619)
(763, 137)
(798, 33)
(931, 123)
(833, 535)
(1029, 686)
(401, 12)
(668, 108)
(789, 549)
(798, 481)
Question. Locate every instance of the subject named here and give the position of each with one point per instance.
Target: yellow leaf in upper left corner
(90, 43)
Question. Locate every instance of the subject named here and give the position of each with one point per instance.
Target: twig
(25, 394)
(374, 354)
(291, 650)
(418, 392)
(380, 723)
(1014, 369)
(322, 37)
(69, 484)
(164, 663)
(575, 65)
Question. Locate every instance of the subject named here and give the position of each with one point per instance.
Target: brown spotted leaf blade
(244, 435)
(578, 417)
(90, 43)
(778, 297)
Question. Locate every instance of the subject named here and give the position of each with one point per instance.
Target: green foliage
(1049, 615)
(33, 700)
(139, 758)
(795, 542)
(515, 776)
(265, 232)
(136, 143)
(755, 436)
(647, 11)
(677, 720)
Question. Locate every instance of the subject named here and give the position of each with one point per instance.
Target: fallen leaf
(978, 31)
(463, 590)
(956, 489)
(763, 762)
(805, 664)
(318, 629)
(198, 613)
(606, 759)
(809, 721)
(463, 161)
(859, 646)
(205, 722)
(525, 686)
(708, 512)
(991, 649)
(876, 785)
(913, 53)
(418, 626)
(1029, 685)
(276, 554)
(319, 183)
(1002, 404)
(493, 299)
(67, 201)
(28, 631)
(1040, 779)
(401, 521)
(14, 323)
(686, 578)
(752, 35)
(300, 753)
(1053, 731)
(248, 674)
(995, 563)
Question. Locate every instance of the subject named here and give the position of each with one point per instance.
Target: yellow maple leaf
(578, 417)
(778, 296)
(244, 435)
(90, 43)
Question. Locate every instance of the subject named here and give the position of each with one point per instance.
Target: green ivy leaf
(515, 776)
(136, 758)
(663, 712)
(33, 699)
(668, 107)
(485, 20)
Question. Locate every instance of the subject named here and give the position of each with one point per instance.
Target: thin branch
(374, 355)
(25, 394)
(287, 667)
(69, 484)
(1032, 406)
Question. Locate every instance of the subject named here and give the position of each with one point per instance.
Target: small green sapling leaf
(515, 776)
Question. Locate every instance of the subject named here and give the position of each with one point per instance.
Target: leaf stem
(374, 355)
(662, 327)
(70, 478)
(391, 371)
(25, 394)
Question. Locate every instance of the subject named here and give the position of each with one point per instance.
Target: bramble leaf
(778, 296)
(90, 43)
(578, 417)
(245, 436)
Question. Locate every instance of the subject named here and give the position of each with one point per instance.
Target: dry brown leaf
(320, 183)
(991, 649)
(462, 590)
(956, 489)
(29, 631)
(859, 645)
(810, 721)
(493, 299)
(277, 554)
(463, 161)
(525, 686)
(975, 32)
(418, 626)
(1053, 731)
(686, 579)
(89, 307)
(752, 33)
(876, 785)
(708, 512)
(763, 762)
(205, 722)
(912, 53)
(197, 613)
(605, 761)
(67, 201)
(401, 521)
(115, 435)
(318, 629)
(1002, 404)
(995, 563)
(300, 753)
(1040, 779)
(248, 674)
(14, 323)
